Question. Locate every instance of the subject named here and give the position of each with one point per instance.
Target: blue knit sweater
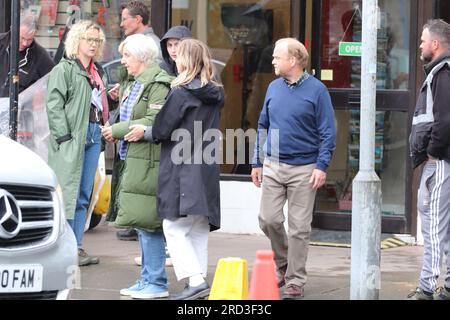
(299, 125)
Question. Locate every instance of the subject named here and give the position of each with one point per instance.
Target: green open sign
(352, 49)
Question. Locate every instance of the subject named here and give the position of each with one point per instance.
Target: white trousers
(187, 242)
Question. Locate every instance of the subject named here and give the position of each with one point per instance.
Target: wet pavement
(328, 268)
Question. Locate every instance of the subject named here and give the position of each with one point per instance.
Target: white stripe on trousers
(434, 223)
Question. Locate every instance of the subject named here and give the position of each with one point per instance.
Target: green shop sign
(352, 49)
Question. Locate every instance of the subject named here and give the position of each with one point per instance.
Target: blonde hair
(78, 31)
(194, 58)
(140, 46)
(295, 49)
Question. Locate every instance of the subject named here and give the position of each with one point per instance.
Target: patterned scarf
(98, 80)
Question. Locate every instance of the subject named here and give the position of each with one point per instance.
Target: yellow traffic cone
(231, 280)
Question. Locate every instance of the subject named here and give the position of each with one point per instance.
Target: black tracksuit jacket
(433, 138)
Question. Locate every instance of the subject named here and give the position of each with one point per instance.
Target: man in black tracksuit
(430, 147)
(34, 61)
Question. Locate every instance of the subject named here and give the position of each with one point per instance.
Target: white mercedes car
(38, 250)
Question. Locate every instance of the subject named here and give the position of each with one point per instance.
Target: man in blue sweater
(298, 120)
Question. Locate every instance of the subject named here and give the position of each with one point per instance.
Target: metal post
(14, 69)
(366, 200)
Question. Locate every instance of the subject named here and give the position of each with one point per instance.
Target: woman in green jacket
(77, 106)
(137, 166)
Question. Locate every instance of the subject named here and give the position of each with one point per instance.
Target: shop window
(390, 163)
(342, 22)
(55, 15)
(240, 35)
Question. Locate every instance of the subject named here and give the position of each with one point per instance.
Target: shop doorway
(332, 23)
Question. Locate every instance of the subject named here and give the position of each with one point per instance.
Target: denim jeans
(90, 163)
(153, 254)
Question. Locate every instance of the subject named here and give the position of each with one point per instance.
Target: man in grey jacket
(430, 151)
(135, 19)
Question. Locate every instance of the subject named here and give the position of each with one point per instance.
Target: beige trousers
(283, 182)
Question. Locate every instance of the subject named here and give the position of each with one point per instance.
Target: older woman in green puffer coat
(137, 165)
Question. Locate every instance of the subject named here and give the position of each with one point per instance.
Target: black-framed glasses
(92, 41)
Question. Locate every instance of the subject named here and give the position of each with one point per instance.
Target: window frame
(387, 100)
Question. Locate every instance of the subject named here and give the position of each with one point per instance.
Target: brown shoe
(293, 292)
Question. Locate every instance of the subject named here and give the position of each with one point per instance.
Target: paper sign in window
(326, 75)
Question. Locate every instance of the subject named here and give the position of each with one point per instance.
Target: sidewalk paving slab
(328, 267)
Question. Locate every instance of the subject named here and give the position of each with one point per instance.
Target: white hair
(140, 46)
(29, 20)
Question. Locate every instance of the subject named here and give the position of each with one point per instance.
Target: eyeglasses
(28, 41)
(126, 18)
(92, 41)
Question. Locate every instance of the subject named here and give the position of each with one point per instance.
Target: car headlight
(59, 210)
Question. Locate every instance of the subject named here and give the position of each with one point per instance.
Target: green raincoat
(68, 105)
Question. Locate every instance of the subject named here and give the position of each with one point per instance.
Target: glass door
(335, 45)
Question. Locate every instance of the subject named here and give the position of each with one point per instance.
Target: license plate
(21, 278)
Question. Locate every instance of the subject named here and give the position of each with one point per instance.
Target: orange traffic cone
(263, 285)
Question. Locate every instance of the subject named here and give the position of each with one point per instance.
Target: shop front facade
(241, 35)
